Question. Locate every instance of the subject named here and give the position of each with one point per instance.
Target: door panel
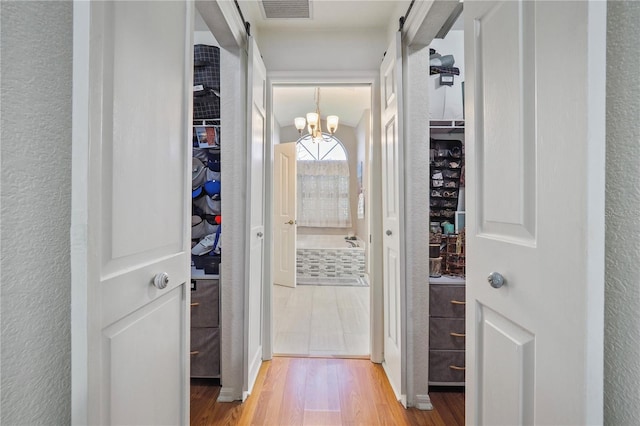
(145, 335)
(535, 167)
(256, 134)
(392, 221)
(284, 166)
(506, 83)
(512, 348)
(131, 207)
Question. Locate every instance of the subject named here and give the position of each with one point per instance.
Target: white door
(392, 219)
(131, 143)
(256, 134)
(535, 90)
(284, 214)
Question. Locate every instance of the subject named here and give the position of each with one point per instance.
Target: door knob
(291, 222)
(496, 279)
(259, 234)
(161, 280)
(388, 232)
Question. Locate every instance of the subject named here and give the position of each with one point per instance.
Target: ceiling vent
(286, 9)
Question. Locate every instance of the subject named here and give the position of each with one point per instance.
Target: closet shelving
(446, 126)
(446, 171)
(206, 215)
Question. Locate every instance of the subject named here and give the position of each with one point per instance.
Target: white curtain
(323, 194)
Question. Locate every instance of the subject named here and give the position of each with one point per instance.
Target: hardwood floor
(321, 391)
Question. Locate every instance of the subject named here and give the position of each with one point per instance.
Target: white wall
(416, 214)
(233, 156)
(204, 37)
(622, 246)
(445, 102)
(36, 50)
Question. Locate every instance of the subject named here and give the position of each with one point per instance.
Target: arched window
(330, 148)
(323, 183)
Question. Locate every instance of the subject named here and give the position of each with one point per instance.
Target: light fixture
(313, 121)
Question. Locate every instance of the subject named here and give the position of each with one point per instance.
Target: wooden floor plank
(321, 391)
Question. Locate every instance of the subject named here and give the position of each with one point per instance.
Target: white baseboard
(423, 402)
(227, 395)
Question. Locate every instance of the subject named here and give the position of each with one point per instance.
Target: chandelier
(312, 122)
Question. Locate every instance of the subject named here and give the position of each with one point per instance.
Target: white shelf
(198, 274)
(447, 280)
(446, 126)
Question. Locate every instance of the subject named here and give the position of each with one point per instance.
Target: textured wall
(622, 291)
(416, 158)
(234, 173)
(35, 199)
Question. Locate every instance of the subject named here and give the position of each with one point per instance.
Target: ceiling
(328, 14)
(347, 102)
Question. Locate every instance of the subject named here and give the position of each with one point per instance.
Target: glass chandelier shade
(313, 121)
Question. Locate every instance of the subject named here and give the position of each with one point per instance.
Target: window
(329, 149)
(323, 183)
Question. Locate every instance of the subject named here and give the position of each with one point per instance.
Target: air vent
(286, 9)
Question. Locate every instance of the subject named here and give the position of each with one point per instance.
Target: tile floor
(321, 321)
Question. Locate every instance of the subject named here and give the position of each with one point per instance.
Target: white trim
(425, 20)
(423, 402)
(79, 214)
(596, 132)
(227, 395)
(346, 78)
(224, 22)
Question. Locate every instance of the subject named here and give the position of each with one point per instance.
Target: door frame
(300, 78)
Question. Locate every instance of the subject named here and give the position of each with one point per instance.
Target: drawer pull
(455, 367)
(194, 353)
(458, 302)
(452, 334)
(193, 305)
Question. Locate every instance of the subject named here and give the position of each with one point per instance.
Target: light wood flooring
(321, 321)
(321, 391)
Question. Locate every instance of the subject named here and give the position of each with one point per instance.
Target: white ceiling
(347, 102)
(331, 14)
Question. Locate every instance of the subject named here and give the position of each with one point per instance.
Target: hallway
(318, 391)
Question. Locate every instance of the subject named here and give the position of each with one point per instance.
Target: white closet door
(392, 217)
(130, 231)
(535, 87)
(256, 136)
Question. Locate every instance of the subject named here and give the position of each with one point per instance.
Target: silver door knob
(496, 279)
(161, 280)
(388, 232)
(259, 234)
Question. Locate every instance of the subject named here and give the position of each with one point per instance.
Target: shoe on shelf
(204, 246)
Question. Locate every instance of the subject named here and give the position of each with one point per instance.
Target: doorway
(324, 308)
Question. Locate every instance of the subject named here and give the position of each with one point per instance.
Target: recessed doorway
(325, 311)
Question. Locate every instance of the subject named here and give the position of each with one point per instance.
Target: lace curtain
(323, 194)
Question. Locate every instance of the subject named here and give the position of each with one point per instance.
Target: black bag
(206, 107)
(206, 82)
(206, 67)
